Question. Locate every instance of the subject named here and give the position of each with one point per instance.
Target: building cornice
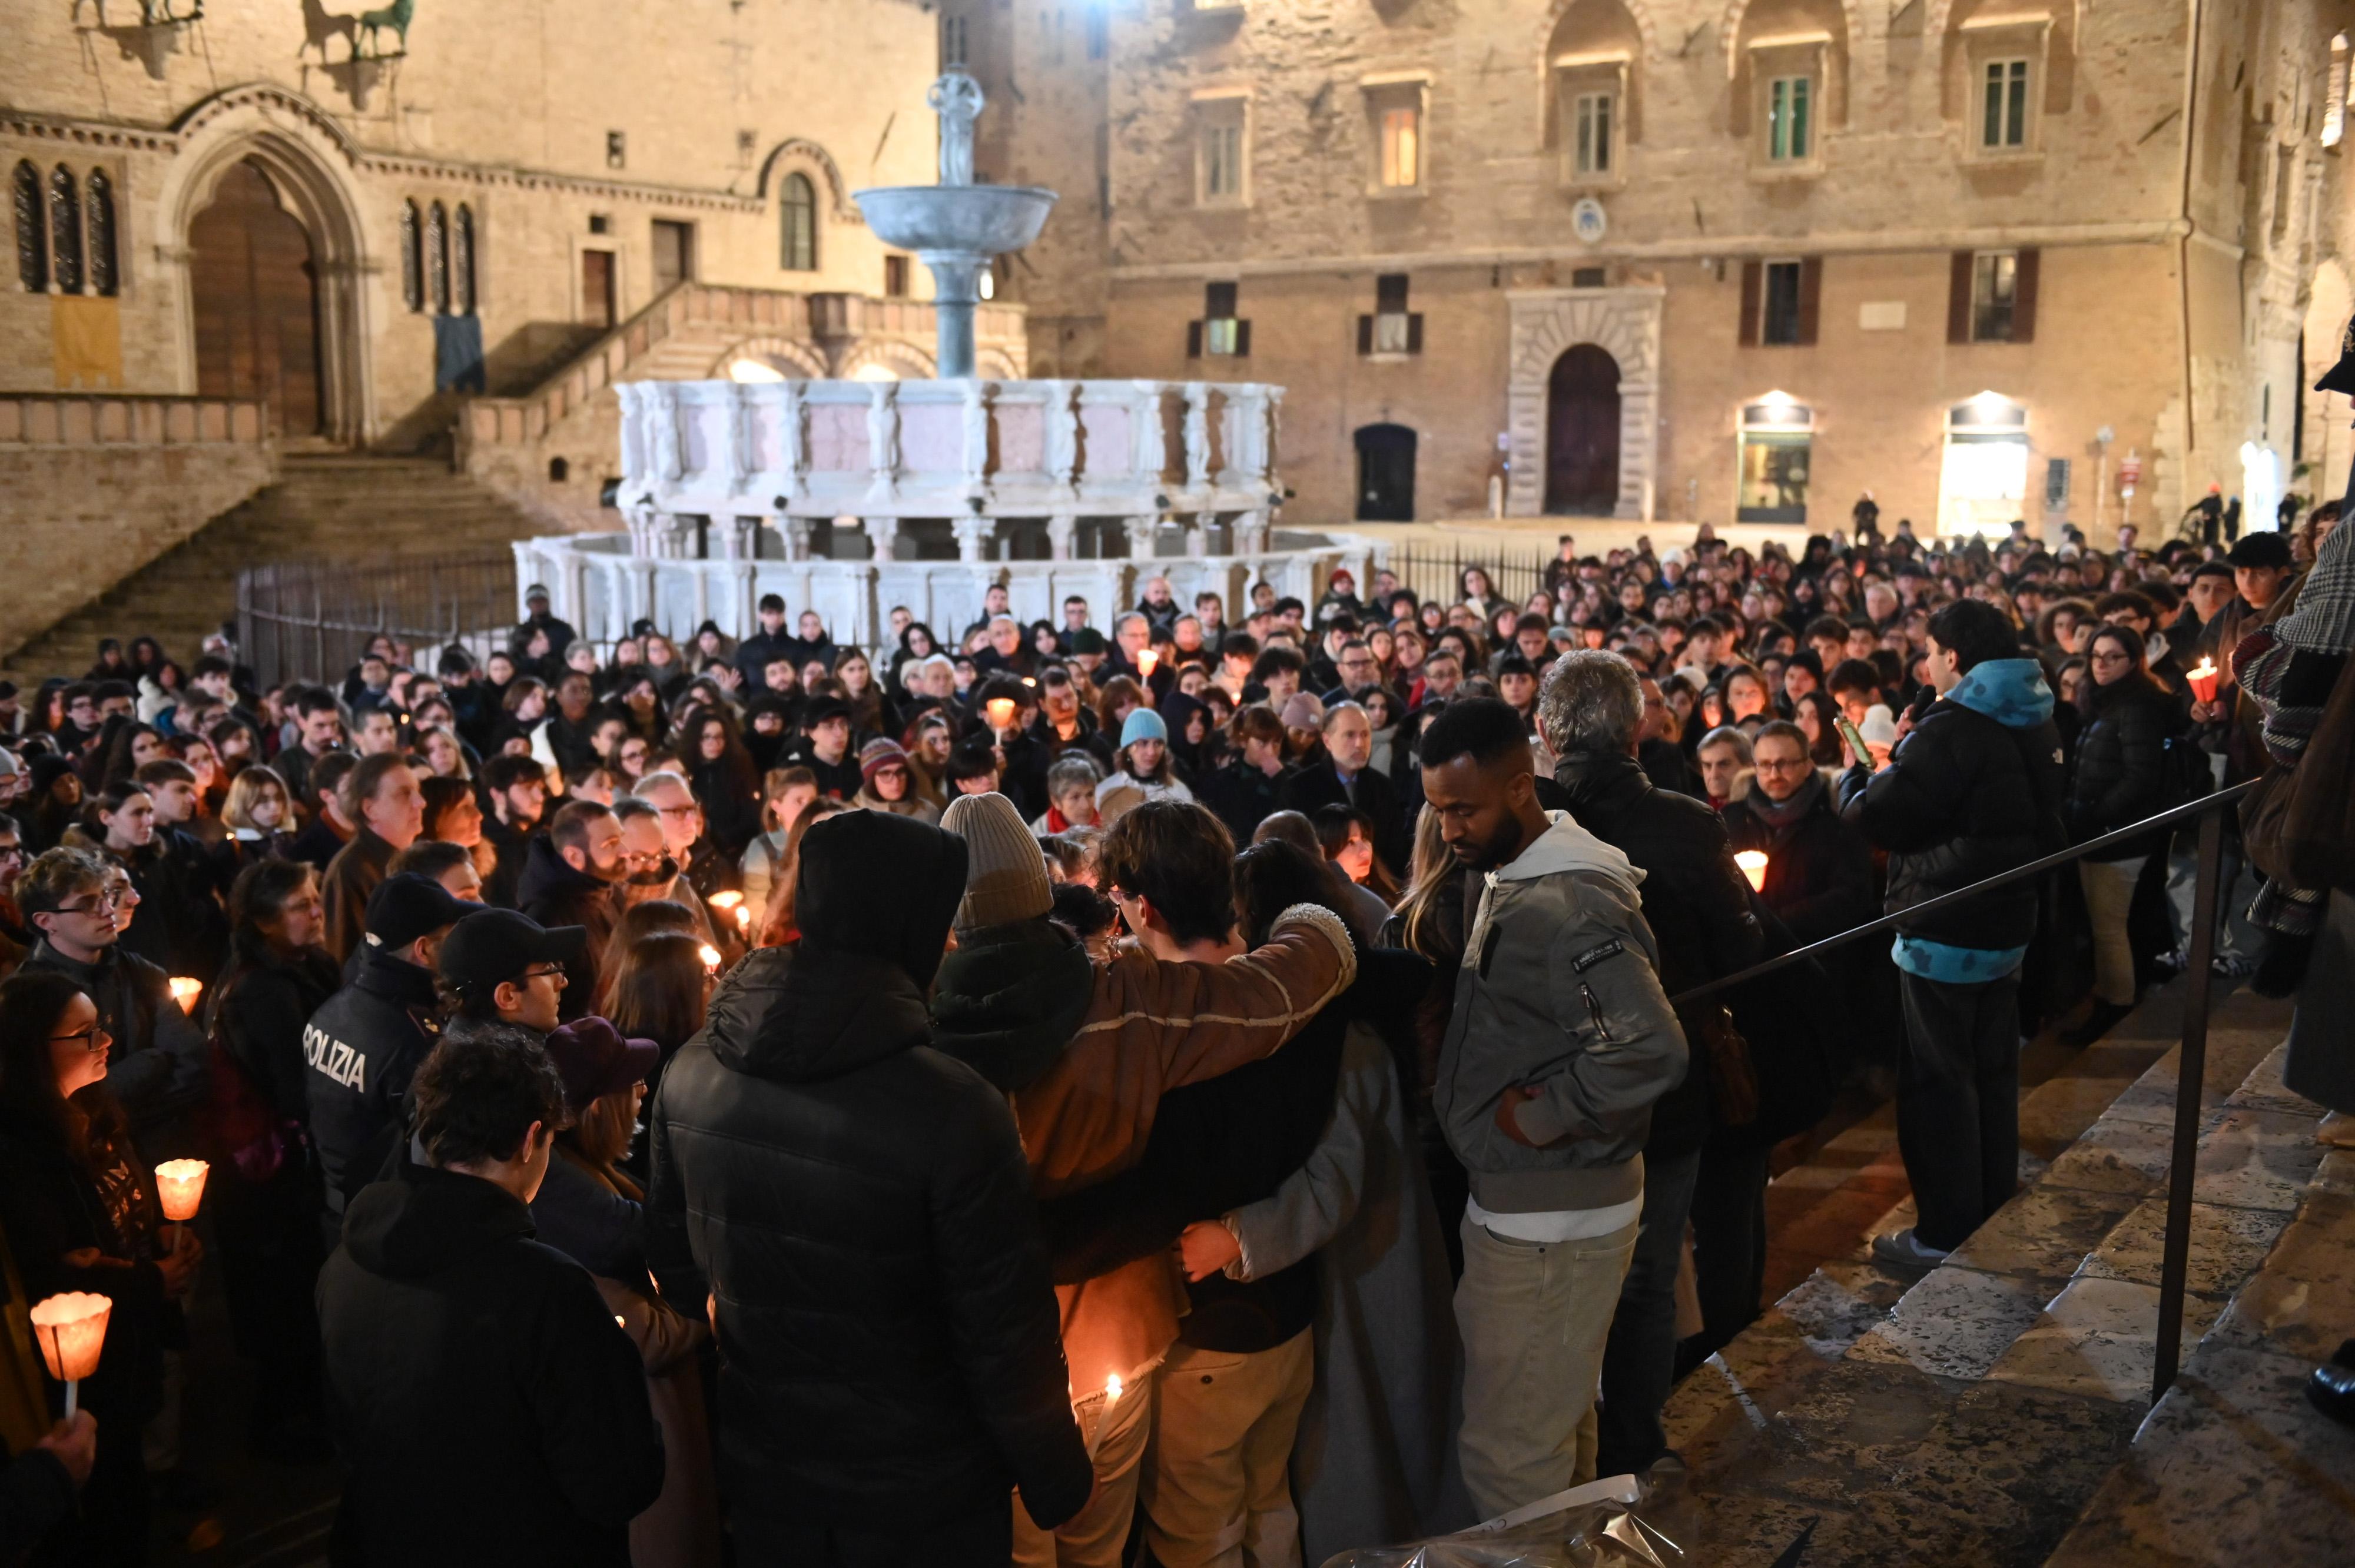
(1731, 247)
(88, 132)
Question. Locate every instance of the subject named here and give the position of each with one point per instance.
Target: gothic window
(461, 261)
(65, 230)
(413, 258)
(105, 274)
(437, 259)
(32, 256)
(797, 220)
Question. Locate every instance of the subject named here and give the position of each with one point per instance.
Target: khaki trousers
(2109, 887)
(1534, 1317)
(1094, 1537)
(1218, 1485)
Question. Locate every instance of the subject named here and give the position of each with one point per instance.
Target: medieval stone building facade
(1722, 260)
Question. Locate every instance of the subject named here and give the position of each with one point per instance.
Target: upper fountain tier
(956, 227)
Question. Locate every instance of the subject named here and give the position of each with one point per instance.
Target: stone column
(974, 536)
(883, 533)
(1251, 532)
(1062, 531)
(1139, 531)
(1197, 537)
(956, 290)
(797, 532)
(734, 538)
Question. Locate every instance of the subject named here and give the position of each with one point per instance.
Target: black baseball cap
(1087, 639)
(405, 907)
(490, 945)
(2264, 549)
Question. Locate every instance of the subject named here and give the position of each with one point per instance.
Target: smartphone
(1855, 739)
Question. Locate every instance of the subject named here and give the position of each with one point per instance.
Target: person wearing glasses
(364, 1043)
(499, 966)
(158, 1070)
(77, 1206)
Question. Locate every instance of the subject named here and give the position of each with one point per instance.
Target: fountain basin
(975, 219)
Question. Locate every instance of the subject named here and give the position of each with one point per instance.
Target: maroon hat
(878, 754)
(594, 1061)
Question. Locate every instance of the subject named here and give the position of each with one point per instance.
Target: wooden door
(1386, 474)
(597, 288)
(1582, 433)
(255, 290)
(674, 253)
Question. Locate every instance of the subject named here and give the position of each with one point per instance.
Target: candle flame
(710, 958)
(1112, 1388)
(725, 899)
(2205, 667)
(1001, 713)
(185, 990)
(180, 1187)
(1754, 867)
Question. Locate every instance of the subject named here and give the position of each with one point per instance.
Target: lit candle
(71, 1329)
(743, 918)
(180, 1187)
(728, 898)
(1146, 663)
(710, 958)
(1111, 1389)
(185, 990)
(2202, 677)
(1753, 866)
(1001, 713)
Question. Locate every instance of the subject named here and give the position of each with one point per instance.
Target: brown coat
(1154, 1027)
(354, 874)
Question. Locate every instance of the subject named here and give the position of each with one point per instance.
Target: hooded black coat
(858, 1206)
(554, 893)
(486, 1407)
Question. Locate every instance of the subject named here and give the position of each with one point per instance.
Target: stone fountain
(850, 497)
(956, 227)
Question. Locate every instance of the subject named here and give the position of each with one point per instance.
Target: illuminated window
(1402, 147)
(1771, 455)
(1995, 294)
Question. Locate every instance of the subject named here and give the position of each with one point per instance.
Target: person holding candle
(486, 1406)
(159, 1067)
(77, 1206)
(2121, 777)
(569, 880)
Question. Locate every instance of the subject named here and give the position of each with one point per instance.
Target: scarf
(1786, 814)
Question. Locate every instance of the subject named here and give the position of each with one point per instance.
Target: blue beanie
(1143, 723)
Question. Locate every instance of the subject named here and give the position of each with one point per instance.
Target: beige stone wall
(93, 489)
(505, 109)
(2114, 166)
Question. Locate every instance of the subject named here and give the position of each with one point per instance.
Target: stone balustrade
(117, 419)
(706, 464)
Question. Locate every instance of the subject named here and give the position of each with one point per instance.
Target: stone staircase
(1995, 1411)
(355, 507)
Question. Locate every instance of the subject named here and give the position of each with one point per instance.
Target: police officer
(365, 1042)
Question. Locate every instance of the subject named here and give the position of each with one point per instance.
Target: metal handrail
(2191, 1067)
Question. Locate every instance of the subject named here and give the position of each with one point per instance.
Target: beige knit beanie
(1006, 872)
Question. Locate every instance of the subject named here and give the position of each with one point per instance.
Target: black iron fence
(2191, 1066)
(1435, 568)
(310, 619)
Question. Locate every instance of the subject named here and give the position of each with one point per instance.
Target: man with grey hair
(1726, 760)
(1344, 775)
(1590, 709)
(700, 863)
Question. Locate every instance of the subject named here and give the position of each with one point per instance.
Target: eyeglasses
(548, 971)
(687, 810)
(1764, 765)
(105, 904)
(94, 1039)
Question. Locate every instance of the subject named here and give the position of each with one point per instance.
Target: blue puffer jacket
(1975, 789)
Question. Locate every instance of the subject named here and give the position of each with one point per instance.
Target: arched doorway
(1386, 474)
(1582, 433)
(253, 281)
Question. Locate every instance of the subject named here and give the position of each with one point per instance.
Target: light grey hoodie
(1559, 990)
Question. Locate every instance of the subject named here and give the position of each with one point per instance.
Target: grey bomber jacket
(1560, 989)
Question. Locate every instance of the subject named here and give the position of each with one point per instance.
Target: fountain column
(956, 290)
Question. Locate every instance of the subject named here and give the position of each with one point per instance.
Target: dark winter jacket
(2121, 773)
(50, 1205)
(1819, 875)
(1244, 797)
(1973, 789)
(362, 1047)
(554, 893)
(858, 1206)
(1695, 901)
(486, 1407)
(1315, 784)
(158, 1069)
(260, 1019)
(352, 877)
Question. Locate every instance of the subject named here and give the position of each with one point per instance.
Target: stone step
(377, 506)
(2234, 1461)
(1969, 1413)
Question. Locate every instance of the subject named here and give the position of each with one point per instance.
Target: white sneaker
(1903, 1249)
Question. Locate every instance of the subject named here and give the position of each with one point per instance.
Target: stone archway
(790, 357)
(307, 161)
(1624, 322)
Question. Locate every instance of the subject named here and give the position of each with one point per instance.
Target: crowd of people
(1245, 1080)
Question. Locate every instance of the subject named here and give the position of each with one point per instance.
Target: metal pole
(2191, 1075)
